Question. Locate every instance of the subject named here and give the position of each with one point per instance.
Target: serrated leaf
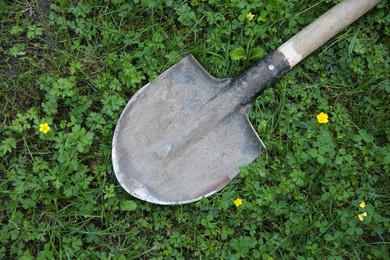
(8, 145)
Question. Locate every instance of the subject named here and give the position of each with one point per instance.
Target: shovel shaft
(324, 28)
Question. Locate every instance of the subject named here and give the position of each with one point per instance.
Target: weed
(67, 70)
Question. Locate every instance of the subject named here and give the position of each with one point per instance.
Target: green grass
(74, 66)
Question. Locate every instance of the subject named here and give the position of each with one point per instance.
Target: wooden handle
(324, 28)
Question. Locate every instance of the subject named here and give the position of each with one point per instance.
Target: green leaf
(33, 31)
(321, 159)
(81, 138)
(112, 103)
(7, 145)
(262, 126)
(339, 160)
(328, 237)
(256, 53)
(17, 49)
(238, 54)
(359, 231)
(186, 15)
(352, 43)
(357, 138)
(350, 231)
(370, 209)
(313, 152)
(63, 87)
(366, 136)
(16, 29)
(128, 205)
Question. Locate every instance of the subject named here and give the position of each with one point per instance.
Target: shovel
(183, 136)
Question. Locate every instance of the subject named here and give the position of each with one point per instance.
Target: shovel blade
(162, 154)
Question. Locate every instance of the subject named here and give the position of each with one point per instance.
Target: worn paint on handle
(324, 28)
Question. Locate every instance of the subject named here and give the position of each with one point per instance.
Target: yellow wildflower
(44, 128)
(322, 118)
(238, 202)
(362, 204)
(250, 16)
(362, 215)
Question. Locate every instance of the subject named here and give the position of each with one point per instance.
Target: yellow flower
(322, 118)
(250, 16)
(238, 202)
(44, 128)
(362, 215)
(362, 204)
